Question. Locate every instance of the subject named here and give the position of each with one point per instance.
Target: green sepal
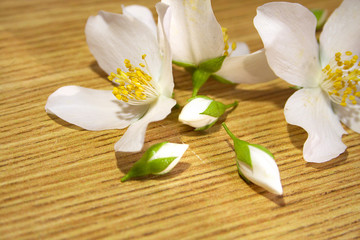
(215, 109)
(184, 65)
(221, 79)
(241, 174)
(143, 167)
(320, 15)
(199, 77)
(262, 148)
(241, 147)
(242, 151)
(160, 164)
(212, 65)
(205, 127)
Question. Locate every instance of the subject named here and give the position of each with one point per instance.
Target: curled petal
(195, 34)
(311, 110)
(341, 32)
(143, 14)
(92, 109)
(112, 38)
(349, 115)
(249, 68)
(166, 81)
(133, 139)
(288, 33)
(241, 49)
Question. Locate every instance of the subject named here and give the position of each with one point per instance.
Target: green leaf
(160, 164)
(215, 109)
(185, 65)
(221, 79)
(212, 65)
(320, 15)
(199, 77)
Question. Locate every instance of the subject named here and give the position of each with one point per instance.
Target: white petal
(311, 110)
(191, 113)
(143, 14)
(249, 68)
(264, 172)
(195, 34)
(288, 33)
(241, 49)
(341, 32)
(349, 115)
(170, 150)
(133, 139)
(166, 81)
(112, 38)
(91, 109)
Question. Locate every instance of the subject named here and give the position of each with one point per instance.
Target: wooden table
(62, 182)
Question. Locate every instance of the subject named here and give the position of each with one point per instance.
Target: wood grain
(61, 182)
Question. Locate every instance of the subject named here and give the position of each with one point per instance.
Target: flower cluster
(138, 55)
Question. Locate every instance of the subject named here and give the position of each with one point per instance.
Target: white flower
(256, 164)
(126, 44)
(203, 112)
(327, 72)
(196, 38)
(159, 159)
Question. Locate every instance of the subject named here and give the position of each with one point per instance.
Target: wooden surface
(61, 182)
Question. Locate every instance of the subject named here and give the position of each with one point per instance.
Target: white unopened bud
(158, 159)
(203, 112)
(264, 171)
(256, 164)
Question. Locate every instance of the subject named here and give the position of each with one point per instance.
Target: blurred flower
(256, 164)
(326, 72)
(144, 93)
(159, 159)
(202, 112)
(201, 45)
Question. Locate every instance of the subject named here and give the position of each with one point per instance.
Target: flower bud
(256, 164)
(203, 112)
(158, 159)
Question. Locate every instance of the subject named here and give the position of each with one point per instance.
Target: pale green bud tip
(158, 159)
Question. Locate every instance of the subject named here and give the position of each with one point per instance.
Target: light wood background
(58, 181)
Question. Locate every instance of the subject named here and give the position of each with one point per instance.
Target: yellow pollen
(341, 79)
(135, 86)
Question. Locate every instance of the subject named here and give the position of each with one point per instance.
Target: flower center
(341, 78)
(136, 87)
(226, 42)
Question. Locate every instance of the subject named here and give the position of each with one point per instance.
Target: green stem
(199, 77)
(125, 178)
(229, 132)
(234, 104)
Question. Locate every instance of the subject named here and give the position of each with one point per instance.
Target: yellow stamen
(135, 86)
(226, 42)
(341, 79)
